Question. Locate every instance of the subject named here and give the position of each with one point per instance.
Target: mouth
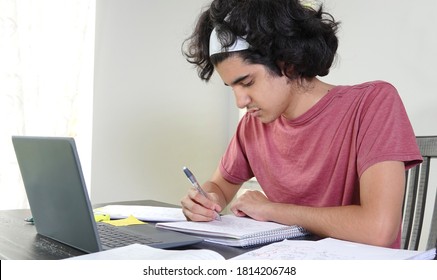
(253, 111)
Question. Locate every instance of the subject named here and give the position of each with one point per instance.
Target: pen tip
(187, 172)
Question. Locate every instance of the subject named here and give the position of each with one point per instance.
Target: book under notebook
(237, 231)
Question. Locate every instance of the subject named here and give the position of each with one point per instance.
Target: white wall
(152, 114)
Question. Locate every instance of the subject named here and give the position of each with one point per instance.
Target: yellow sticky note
(131, 220)
(101, 217)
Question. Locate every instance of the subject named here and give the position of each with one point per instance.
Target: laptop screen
(56, 190)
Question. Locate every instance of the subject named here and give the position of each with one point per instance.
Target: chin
(266, 120)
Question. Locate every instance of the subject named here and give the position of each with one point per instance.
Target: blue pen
(196, 184)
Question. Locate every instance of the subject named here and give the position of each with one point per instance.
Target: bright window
(46, 80)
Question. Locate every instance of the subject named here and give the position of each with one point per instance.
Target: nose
(242, 99)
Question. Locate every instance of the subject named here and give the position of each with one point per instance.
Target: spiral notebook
(237, 231)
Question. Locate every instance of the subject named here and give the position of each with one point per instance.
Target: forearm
(375, 221)
(223, 190)
(351, 222)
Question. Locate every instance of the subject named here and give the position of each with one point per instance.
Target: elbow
(384, 234)
(386, 240)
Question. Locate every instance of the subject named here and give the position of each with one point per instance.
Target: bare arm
(198, 208)
(376, 221)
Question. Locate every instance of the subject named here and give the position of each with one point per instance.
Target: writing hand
(197, 207)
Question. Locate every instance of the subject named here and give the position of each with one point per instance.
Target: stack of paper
(143, 213)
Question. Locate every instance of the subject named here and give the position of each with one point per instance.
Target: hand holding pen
(196, 184)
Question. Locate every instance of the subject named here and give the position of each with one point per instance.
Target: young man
(329, 158)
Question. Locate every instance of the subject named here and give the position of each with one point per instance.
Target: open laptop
(59, 201)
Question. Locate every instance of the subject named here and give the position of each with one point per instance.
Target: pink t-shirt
(318, 158)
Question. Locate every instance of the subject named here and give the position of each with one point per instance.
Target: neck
(305, 95)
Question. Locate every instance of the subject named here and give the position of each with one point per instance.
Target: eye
(247, 84)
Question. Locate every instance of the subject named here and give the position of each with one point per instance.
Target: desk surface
(19, 240)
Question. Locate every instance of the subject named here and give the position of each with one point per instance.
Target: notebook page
(230, 226)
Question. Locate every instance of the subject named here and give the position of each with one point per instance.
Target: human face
(264, 95)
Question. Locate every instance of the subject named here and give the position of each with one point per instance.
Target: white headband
(216, 47)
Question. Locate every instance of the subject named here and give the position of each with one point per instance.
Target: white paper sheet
(144, 252)
(326, 249)
(143, 213)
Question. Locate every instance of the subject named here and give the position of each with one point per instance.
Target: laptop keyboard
(111, 237)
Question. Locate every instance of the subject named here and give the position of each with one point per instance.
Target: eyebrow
(237, 80)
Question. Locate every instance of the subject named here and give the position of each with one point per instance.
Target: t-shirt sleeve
(385, 132)
(234, 166)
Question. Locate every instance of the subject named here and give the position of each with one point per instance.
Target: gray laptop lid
(58, 197)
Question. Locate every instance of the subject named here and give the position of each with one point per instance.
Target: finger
(191, 216)
(195, 211)
(238, 213)
(204, 201)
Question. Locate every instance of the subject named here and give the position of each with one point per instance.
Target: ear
(286, 69)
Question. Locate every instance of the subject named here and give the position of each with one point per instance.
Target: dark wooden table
(20, 241)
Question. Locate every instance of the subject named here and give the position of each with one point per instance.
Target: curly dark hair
(280, 32)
